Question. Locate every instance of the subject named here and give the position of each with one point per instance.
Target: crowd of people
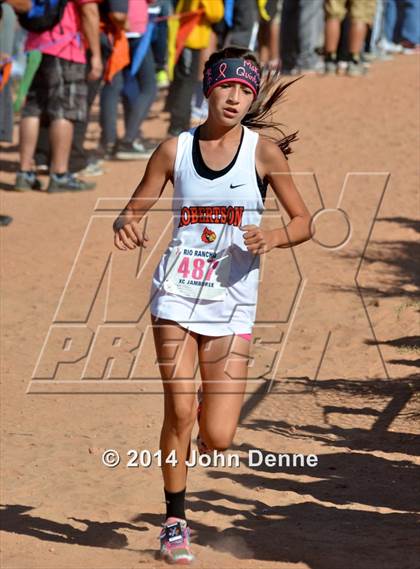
(125, 51)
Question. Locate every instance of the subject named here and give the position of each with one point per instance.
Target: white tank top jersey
(207, 280)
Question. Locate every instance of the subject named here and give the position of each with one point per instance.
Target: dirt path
(334, 368)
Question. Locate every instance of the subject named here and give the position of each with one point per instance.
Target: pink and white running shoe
(175, 544)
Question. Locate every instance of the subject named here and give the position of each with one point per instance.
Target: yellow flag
(263, 12)
(173, 26)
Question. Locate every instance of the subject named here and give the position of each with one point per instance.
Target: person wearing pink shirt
(59, 92)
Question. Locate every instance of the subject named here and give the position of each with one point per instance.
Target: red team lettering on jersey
(231, 215)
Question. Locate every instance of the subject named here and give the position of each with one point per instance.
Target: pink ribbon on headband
(222, 69)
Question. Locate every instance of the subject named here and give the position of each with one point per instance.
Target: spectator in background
(361, 13)
(401, 26)
(113, 18)
(373, 48)
(269, 36)
(240, 26)
(301, 27)
(242, 30)
(7, 32)
(162, 9)
(59, 91)
(186, 69)
(199, 105)
(138, 94)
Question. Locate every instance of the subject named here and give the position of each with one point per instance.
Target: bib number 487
(194, 275)
(202, 269)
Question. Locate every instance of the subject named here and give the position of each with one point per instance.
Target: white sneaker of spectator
(389, 46)
(93, 168)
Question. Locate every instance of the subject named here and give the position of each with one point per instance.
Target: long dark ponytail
(272, 90)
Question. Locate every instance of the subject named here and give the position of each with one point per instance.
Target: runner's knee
(181, 418)
(218, 439)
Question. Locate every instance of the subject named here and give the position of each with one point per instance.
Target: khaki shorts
(359, 10)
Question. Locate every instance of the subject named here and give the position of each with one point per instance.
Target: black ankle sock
(175, 504)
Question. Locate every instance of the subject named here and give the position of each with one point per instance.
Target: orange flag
(5, 70)
(187, 24)
(120, 56)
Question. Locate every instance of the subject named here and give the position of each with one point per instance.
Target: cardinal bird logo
(208, 235)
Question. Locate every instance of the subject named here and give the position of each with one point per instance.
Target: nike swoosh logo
(232, 187)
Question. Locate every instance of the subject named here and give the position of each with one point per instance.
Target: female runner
(203, 296)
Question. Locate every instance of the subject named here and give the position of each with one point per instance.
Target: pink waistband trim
(246, 336)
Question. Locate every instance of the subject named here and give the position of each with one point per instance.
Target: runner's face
(230, 101)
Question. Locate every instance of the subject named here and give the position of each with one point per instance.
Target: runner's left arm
(273, 165)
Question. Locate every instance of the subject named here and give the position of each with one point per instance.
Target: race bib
(197, 273)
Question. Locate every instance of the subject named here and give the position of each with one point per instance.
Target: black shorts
(58, 90)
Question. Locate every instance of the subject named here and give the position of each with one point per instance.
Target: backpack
(43, 15)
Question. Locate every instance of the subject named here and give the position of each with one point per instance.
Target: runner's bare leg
(224, 367)
(176, 350)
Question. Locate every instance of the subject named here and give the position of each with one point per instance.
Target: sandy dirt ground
(333, 369)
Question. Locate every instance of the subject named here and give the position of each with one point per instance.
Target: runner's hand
(257, 240)
(127, 233)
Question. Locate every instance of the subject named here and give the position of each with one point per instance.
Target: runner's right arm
(159, 170)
